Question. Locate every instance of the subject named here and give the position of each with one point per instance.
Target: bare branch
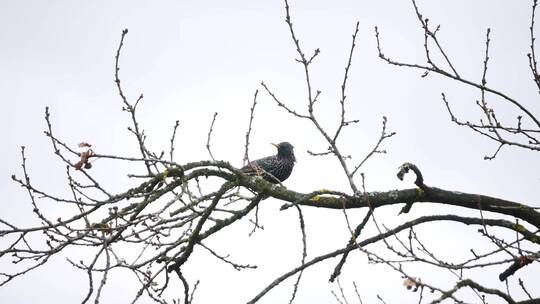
(210, 135)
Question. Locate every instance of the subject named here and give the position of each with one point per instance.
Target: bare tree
(175, 207)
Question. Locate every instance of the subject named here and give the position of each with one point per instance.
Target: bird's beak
(275, 145)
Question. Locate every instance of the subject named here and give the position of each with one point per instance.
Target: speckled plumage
(276, 167)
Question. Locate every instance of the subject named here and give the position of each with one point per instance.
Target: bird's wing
(258, 167)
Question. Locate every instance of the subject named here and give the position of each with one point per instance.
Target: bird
(276, 168)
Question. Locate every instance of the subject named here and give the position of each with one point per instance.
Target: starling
(275, 168)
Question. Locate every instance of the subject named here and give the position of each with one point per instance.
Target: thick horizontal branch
(332, 199)
(336, 200)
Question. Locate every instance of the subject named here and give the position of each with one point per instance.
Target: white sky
(192, 58)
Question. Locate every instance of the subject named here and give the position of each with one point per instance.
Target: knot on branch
(404, 169)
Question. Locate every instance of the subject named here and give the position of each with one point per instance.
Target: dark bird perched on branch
(275, 168)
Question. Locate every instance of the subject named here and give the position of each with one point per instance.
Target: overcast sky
(194, 58)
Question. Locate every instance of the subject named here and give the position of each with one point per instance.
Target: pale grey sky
(192, 58)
